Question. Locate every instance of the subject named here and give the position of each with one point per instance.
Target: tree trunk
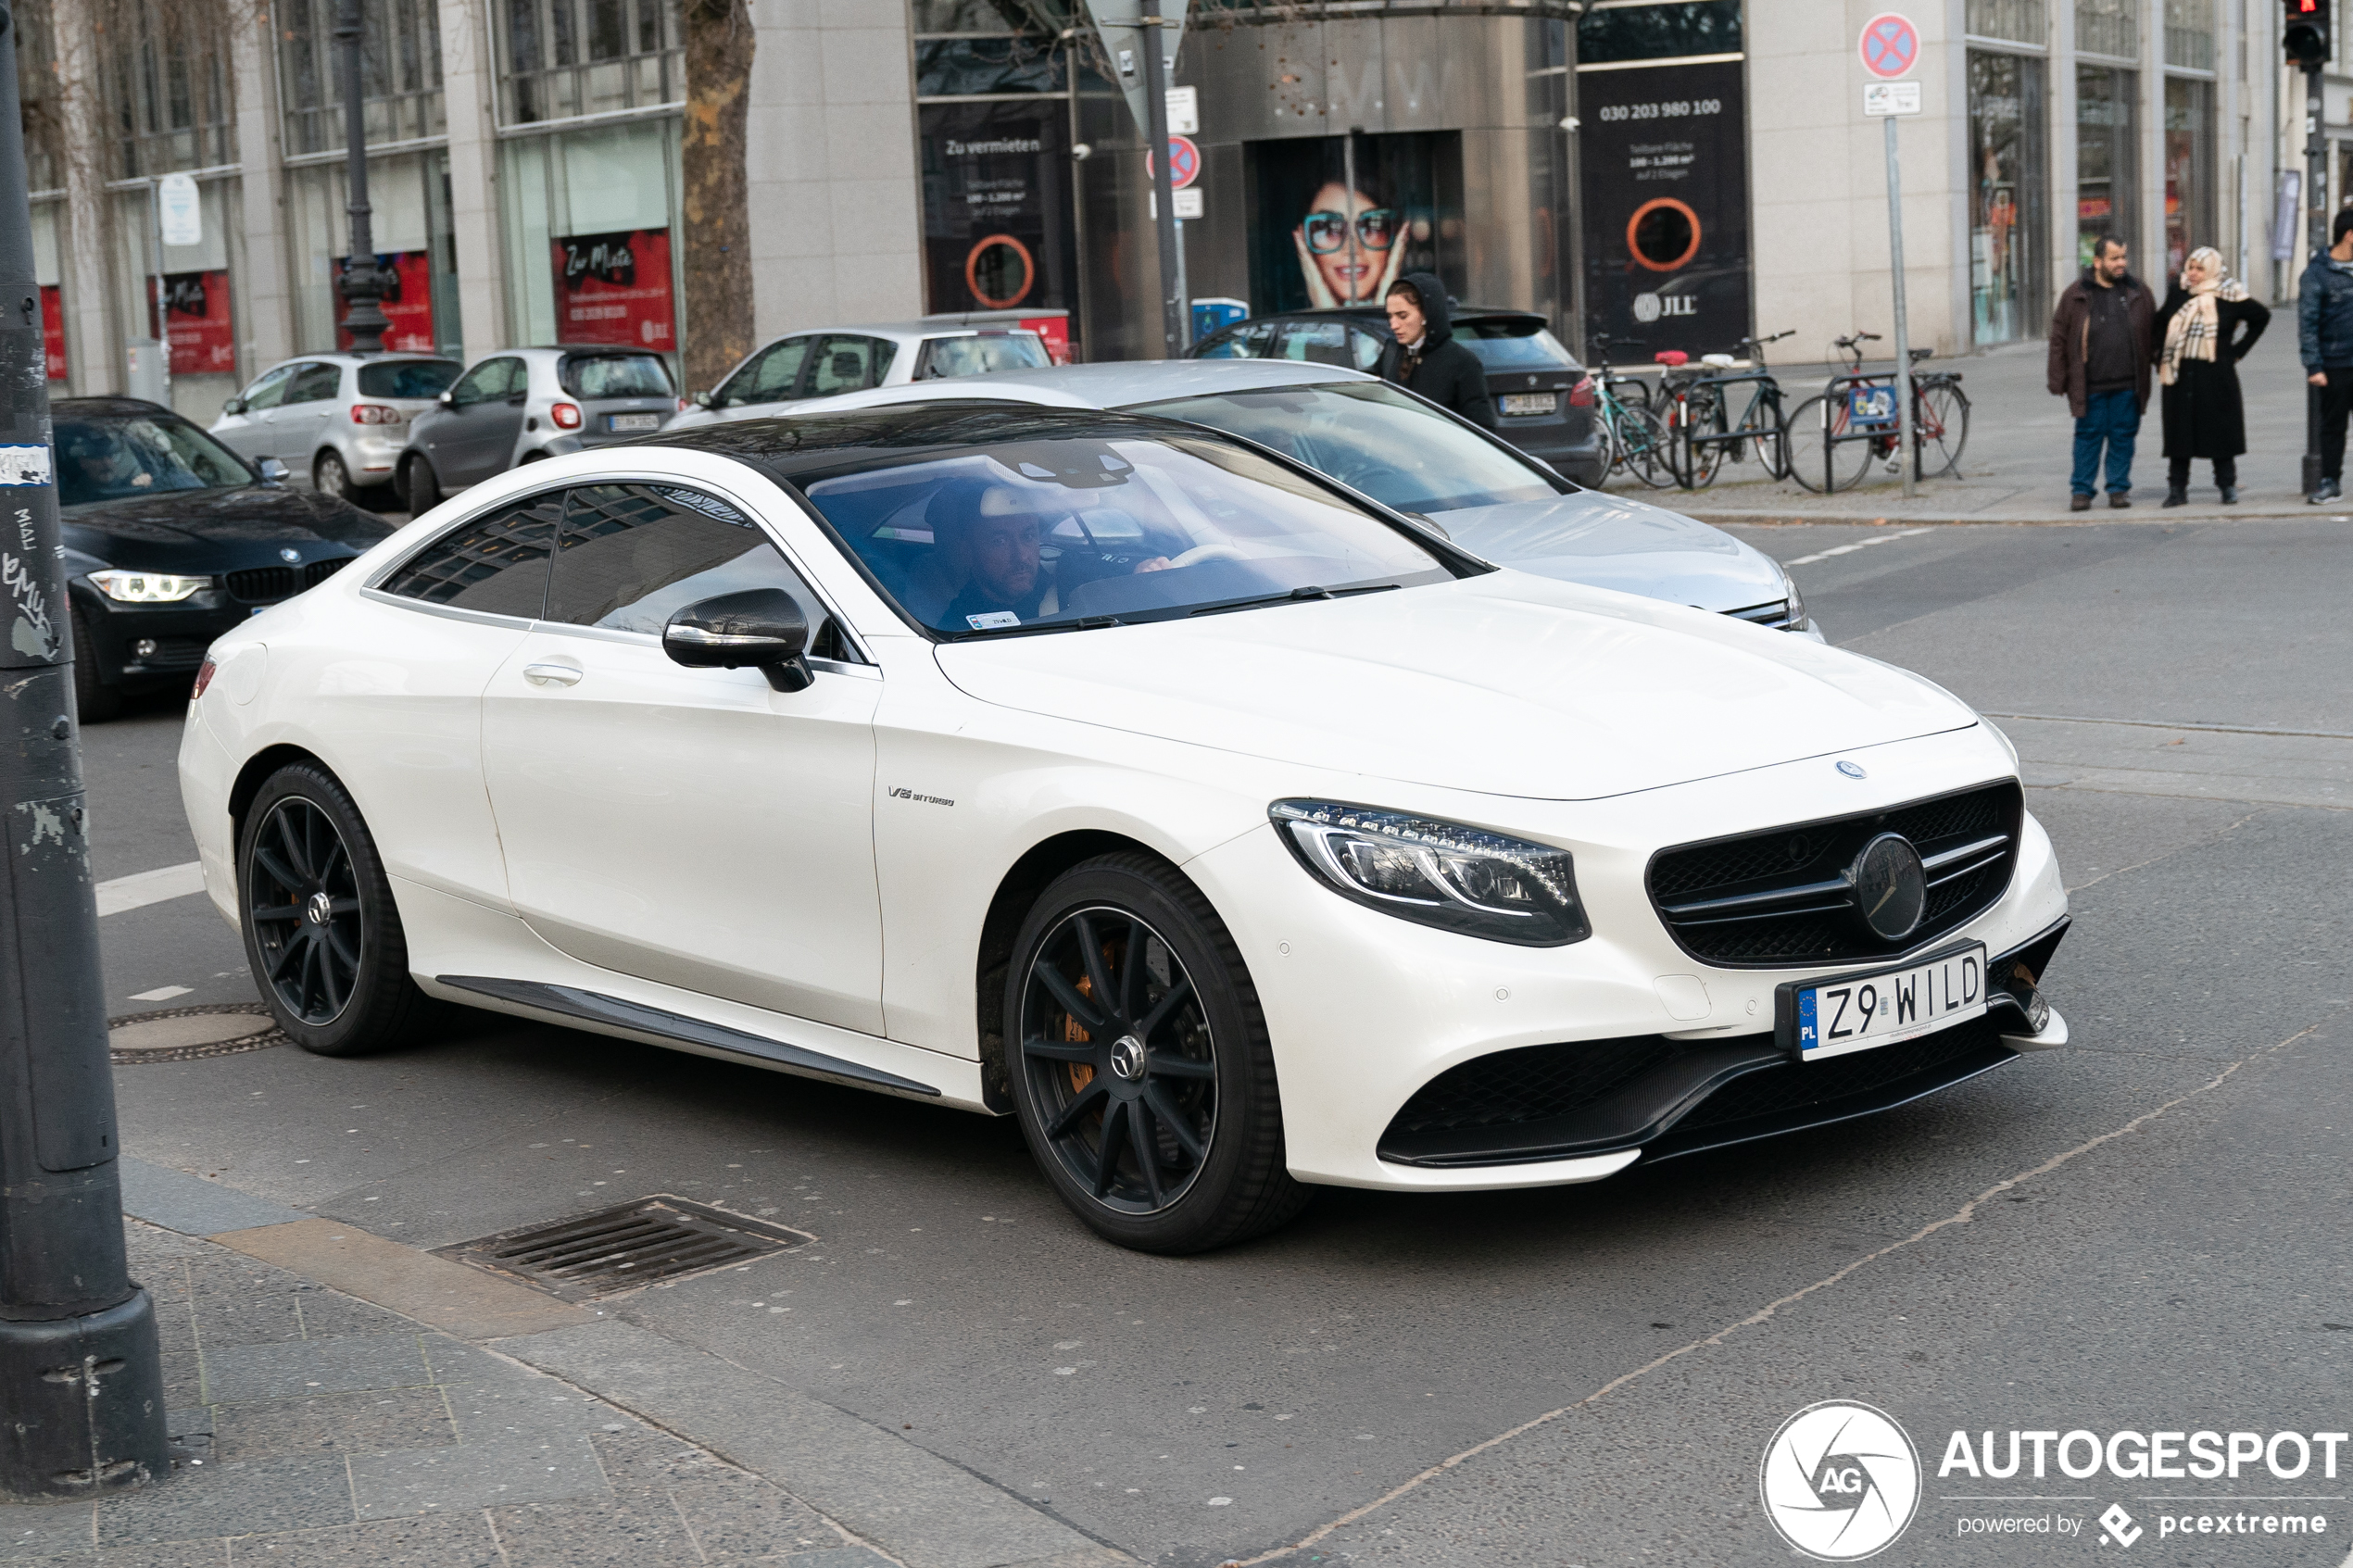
(718, 221)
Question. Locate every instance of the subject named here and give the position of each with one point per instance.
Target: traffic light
(2306, 32)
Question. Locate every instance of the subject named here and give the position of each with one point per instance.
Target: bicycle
(1633, 438)
(1706, 439)
(1856, 414)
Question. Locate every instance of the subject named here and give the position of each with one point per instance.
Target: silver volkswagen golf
(337, 420)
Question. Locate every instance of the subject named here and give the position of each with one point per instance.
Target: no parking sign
(1891, 45)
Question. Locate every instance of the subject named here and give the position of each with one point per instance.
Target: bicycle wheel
(1941, 410)
(1697, 415)
(1644, 447)
(1770, 434)
(1814, 461)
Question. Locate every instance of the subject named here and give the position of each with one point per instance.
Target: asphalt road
(2147, 1232)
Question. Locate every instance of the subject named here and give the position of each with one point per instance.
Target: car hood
(1504, 683)
(192, 528)
(1616, 542)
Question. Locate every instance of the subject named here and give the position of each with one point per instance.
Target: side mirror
(702, 399)
(234, 406)
(448, 400)
(272, 470)
(760, 627)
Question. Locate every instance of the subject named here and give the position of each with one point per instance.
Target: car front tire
(322, 930)
(1142, 1076)
(330, 477)
(95, 702)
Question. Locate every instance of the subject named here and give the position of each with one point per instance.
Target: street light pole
(2316, 201)
(1172, 303)
(362, 284)
(81, 1399)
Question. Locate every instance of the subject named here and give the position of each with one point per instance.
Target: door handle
(552, 674)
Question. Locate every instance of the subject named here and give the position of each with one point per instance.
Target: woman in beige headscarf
(2197, 362)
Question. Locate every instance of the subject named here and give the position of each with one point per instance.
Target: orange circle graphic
(1028, 272)
(1659, 204)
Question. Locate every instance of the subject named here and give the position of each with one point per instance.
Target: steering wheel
(1199, 553)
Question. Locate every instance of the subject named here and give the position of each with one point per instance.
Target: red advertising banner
(196, 306)
(615, 288)
(407, 303)
(1055, 333)
(53, 330)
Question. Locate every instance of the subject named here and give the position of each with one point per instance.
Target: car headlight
(1797, 621)
(146, 587)
(1435, 873)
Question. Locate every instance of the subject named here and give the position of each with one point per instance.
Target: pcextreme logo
(1841, 1481)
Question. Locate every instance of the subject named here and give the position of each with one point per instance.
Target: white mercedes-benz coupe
(1233, 833)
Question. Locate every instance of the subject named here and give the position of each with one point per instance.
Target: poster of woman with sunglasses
(1323, 241)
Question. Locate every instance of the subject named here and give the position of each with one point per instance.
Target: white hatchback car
(823, 364)
(1233, 833)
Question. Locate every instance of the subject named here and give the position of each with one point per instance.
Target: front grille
(1777, 898)
(1775, 1091)
(1775, 616)
(1527, 1085)
(616, 1250)
(261, 585)
(318, 571)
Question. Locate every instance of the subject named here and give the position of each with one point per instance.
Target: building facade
(1649, 174)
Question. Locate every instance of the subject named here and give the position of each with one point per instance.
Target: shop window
(997, 229)
(2107, 165)
(589, 215)
(1675, 30)
(559, 59)
(1338, 218)
(410, 194)
(2108, 27)
(2020, 21)
(166, 89)
(2189, 169)
(2008, 231)
(399, 73)
(963, 67)
(2189, 34)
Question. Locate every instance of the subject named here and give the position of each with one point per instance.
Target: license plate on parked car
(633, 422)
(1522, 403)
(1856, 1012)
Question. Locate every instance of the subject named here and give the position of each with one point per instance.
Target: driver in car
(990, 537)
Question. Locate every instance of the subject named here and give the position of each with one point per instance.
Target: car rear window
(1516, 345)
(409, 378)
(980, 356)
(616, 375)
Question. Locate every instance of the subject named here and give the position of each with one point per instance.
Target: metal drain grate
(624, 1248)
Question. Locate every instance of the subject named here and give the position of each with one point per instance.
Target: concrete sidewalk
(2021, 449)
(340, 1399)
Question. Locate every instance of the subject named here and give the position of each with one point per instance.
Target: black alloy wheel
(321, 928)
(1142, 1075)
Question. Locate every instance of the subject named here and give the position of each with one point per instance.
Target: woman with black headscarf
(1426, 358)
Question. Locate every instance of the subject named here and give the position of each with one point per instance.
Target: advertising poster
(998, 234)
(615, 288)
(1317, 243)
(203, 339)
(406, 302)
(53, 330)
(1665, 198)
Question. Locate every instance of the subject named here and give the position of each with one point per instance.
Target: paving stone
(170, 1554)
(376, 1420)
(176, 1325)
(737, 1517)
(639, 1533)
(838, 1557)
(247, 1374)
(521, 1404)
(230, 1499)
(182, 1378)
(440, 1480)
(637, 1458)
(329, 1313)
(459, 1540)
(38, 1530)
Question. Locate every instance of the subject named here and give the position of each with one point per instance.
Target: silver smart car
(524, 404)
(337, 420)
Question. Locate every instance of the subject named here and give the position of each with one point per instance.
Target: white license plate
(633, 422)
(1516, 404)
(1862, 1011)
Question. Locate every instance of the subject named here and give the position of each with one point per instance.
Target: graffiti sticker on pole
(1891, 45)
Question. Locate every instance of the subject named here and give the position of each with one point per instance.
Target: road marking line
(149, 887)
(1962, 1216)
(2157, 724)
(161, 993)
(1858, 544)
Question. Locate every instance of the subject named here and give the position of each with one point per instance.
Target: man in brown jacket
(2102, 335)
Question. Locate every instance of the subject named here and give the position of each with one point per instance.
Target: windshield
(1516, 345)
(407, 378)
(1372, 437)
(107, 459)
(1069, 530)
(979, 356)
(616, 375)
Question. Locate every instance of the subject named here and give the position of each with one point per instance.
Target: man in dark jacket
(2324, 340)
(2102, 335)
(1426, 358)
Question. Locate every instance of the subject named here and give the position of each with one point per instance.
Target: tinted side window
(497, 563)
(1242, 343)
(1318, 343)
(769, 378)
(845, 364)
(1366, 349)
(633, 556)
(270, 389)
(483, 382)
(314, 384)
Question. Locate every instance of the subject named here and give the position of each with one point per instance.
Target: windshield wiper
(1295, 597)
(1084, 623)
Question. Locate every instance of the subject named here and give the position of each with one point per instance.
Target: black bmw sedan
(171, 539)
